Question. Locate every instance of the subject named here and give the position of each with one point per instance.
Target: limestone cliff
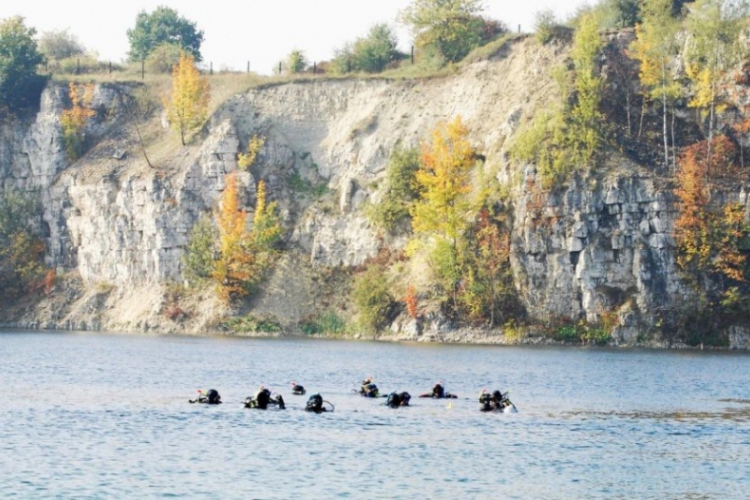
(119, 228)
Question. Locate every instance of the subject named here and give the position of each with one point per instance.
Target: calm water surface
(103, 416)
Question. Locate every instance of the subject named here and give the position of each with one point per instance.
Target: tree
(708, 240)
(655, 47)
(163, 25)
(233, 270)
(545, 25)
(60, 44)
(254, 145)
(399, 191)
(443, 212)
(244, 255)
(296, 62)
(20, 85)
(198, 260)
(487, 289)
(187, 107)
(627, 12)
(586, 123)
(137, 107)
(448, 28)
(373, 53)
(21, 250)
(163, 58)
(716, 26)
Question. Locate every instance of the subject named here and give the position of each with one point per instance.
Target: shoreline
(461, 336)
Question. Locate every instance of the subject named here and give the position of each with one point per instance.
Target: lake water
(106, 416)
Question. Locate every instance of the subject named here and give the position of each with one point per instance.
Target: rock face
(121, 225)
(584, 251)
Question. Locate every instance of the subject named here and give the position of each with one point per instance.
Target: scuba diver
(396, 399)
(297, 389)
(497, 401)
(369, 389)
(209, 397)
(263, 398)
(316, 403)
(438, 392)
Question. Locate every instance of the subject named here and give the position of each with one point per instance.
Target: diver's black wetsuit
(315, 404)
(438, 392)
(396, 399)
(211, 397)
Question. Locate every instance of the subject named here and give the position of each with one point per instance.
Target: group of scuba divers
(495, 401)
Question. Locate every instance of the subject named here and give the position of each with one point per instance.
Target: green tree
(371, 293)
(60, 44)
(199, 260)
(586, 120)
(296, 62)
(448, 28)
(399, 191)
(163, 25)
(20, 85)
(187, 106)
(373, 52)
(655, 47)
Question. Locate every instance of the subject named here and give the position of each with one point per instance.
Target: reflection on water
(737, 414)
(93, 416)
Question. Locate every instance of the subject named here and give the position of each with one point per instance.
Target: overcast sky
(259, 31)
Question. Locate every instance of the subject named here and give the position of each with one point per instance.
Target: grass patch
(328, 323)
(251, 324)
(304, 186)
(490, 49)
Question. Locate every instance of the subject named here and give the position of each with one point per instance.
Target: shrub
(252, 324)
(200, 254)
(21, 249)
(371, 294)
(567, 333)
(399, 192)
(327, 323)
(74, 120)
(545, 26)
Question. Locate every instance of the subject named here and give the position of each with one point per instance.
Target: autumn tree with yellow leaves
(443, 213)
(655, 48)
(234, 255)
(187, 105)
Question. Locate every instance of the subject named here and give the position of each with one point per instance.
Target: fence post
(315, 67)
(248, 66)
(412, 54)
(78, 66)
(110, 67)
(210, 68)
(519, 28)
(348, 65)
(143, 69)
(279, 67)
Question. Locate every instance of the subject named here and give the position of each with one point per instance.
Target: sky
(262, 32)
